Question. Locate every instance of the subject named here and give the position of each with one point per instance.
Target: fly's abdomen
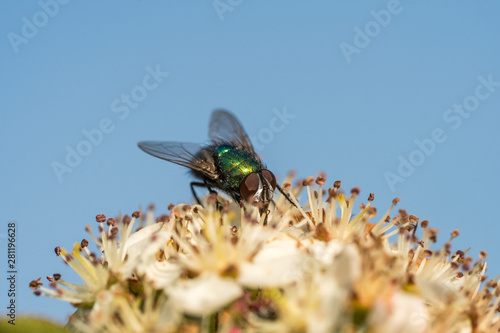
(235, 164)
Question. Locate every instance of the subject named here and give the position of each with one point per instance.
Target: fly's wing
(190, 155)
(224, 127)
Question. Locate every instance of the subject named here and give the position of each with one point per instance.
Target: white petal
(325, 252)
(346, 266)
(140, 239)
(403, 312)
(278, 263)
(438, 292)
(161, 274)
(142, 249)
(205, 294)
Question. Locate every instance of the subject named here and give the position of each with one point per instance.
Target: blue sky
(400, 98)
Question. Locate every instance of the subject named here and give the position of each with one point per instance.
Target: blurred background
(400, 98)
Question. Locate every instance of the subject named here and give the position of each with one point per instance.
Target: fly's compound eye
(269, 176)
(249, 186)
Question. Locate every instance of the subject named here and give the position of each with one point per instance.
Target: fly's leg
(204, 185)
(286, 195)
(192, 185)
(267, 215)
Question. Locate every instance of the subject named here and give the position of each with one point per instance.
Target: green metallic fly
(229, 163)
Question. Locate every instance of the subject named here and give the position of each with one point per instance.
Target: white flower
(319, 267)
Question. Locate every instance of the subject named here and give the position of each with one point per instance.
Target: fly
(229, 163)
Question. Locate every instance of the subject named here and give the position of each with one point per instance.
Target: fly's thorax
(235, 164)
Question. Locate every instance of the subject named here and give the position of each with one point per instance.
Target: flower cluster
(318, 267)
